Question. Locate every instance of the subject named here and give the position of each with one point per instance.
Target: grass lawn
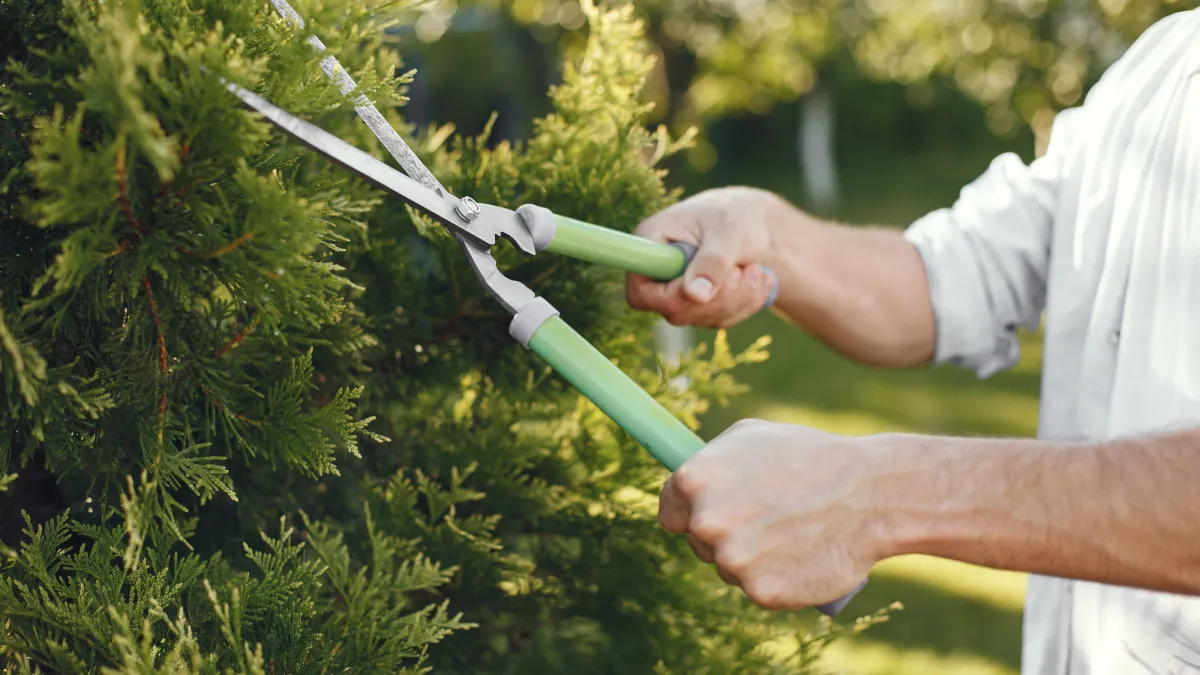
(958, 618)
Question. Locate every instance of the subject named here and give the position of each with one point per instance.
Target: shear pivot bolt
(467, 209)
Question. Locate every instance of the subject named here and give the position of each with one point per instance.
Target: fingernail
(753, 277)
(700, 289)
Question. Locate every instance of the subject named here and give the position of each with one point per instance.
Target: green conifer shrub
(254, 418)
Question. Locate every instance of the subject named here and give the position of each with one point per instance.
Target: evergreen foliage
(256, 419)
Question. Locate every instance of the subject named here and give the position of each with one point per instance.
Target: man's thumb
(707, 272)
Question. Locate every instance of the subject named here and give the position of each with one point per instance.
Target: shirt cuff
(966, 334)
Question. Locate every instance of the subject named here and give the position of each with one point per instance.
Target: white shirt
(1102, 234)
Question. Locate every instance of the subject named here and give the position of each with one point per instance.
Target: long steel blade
(379, 126)
(442, 208)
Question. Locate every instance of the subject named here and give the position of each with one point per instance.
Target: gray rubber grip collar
(530, 318)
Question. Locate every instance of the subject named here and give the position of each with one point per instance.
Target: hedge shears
(532, 229)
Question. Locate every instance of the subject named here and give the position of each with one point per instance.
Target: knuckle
(702, 550)
(715, 258)
(732, 559)
(731, 282)
(741, 425)
(706, 317)
(724, 317)
(675, 318)
(669, 522)
(727, 321)
(746, 424)
(727, 577)
(664, 518)
(653, 225)
(766, 593)
(687, 481)
(663, 224)
(635, 295)
(708, 527)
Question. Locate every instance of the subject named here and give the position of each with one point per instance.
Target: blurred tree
(1021, 59)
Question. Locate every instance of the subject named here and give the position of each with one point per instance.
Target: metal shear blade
(463, 217)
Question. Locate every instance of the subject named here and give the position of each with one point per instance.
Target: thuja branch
(162, 342)
(183, 155)
(220, 406)
(224, 250)
(125, 245)
(237, 338)
(123, 189)
(162, 364)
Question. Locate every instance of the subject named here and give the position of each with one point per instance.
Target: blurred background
(867, 111)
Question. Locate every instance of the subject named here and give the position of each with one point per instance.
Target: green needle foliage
(255, 418)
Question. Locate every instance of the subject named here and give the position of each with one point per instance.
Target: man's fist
(725, 282)
(785, 512)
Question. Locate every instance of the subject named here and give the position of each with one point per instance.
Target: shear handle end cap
(832, 609)
(774, 295)
(540, 223)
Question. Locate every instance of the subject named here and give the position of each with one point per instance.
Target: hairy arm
(1122, 511)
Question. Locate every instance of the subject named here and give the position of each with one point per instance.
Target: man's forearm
(861, 291)
(1121, 512)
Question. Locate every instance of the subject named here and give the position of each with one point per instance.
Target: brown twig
(162, 343)
(183, 190)
(217, 403)
(183, 155)
(162, 365)
(126, 244)
(123, 190)
(237, 338)
(227, 248)
(545, 274)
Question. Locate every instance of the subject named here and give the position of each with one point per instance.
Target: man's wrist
(795, 245)
(953, 497)
(776, 214)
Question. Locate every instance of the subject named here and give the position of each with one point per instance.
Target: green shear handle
(613, 248)
(600, 245)
(539, 328)
(606, 385)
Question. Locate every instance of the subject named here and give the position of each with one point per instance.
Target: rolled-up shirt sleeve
(987, 257)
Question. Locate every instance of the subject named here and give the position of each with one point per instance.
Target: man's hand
(724, 284)
(786, 512)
